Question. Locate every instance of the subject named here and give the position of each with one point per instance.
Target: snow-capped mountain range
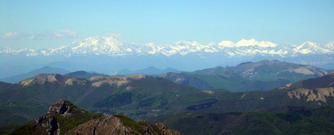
(109, 55)
(112, 46)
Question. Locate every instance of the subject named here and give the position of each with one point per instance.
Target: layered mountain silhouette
(302, 93)
(147, 71)
(108, 55)
(146, 96)
(143, 97)
(42, 70)
(262, 75)
(84, 74)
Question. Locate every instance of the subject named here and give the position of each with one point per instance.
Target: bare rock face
(319, 94)
(47, 124)
(61, 107)
(314, 89)
(52, 125)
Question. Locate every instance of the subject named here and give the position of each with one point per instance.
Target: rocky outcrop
(61, 107)
(319, 94)
(60, 117)
(52, 125)
(314, 89)
(49, 124)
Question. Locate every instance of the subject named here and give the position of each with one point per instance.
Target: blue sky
(46, 23)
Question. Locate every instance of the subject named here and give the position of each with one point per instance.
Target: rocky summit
(61, 107)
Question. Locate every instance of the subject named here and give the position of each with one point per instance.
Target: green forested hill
(287, 121)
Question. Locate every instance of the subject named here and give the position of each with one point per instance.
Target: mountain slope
(267, 70)
(314, 83)
(262, 75)
(313, 92)
(142, 97)
(60, 118)
(43, 70)
(295, 120)
(137, 95)
(233, 84)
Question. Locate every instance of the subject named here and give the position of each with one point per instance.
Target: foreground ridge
(64, 118)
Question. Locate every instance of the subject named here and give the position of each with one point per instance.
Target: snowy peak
(310, 48)
(110, 42)
(110, 45)
(100, 45)
(330, 46)
(247, 43)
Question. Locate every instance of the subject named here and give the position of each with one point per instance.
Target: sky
(47, 24)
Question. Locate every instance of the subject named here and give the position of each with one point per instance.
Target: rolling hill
(291, 121)
(248, 76)
(313, 92)
(136, 95)
(42, 70)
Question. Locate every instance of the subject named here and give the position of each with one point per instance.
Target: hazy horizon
(47, 24)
